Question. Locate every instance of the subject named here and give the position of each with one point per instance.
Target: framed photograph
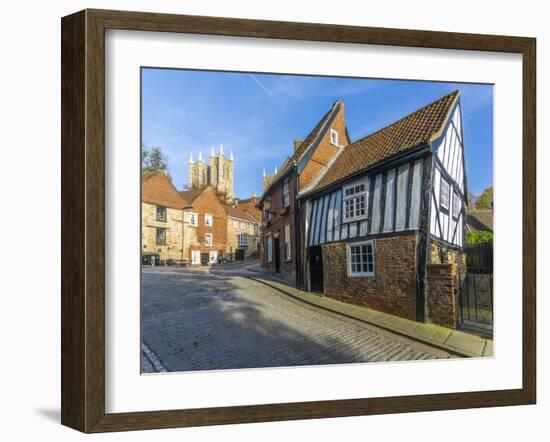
(267, 221)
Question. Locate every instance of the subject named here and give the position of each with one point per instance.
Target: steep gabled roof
(156, 188)
(420, 127)
(235, 212)
(314, 134)
(480, 220)
(189, 196)
(304, 147)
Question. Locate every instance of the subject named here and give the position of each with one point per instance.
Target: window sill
(361, 275)
(353, 220)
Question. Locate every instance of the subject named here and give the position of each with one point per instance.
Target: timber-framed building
(383, 224)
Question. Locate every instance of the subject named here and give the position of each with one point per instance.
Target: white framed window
(287, 243)
(194, 219)
(361, 258)
(242, 239)
(208, 239)
(334, 137)
(243, 224)
(444, 194)
(268, 248)
(208, 219)
(355, 202)
(286, 192)
(457, 206)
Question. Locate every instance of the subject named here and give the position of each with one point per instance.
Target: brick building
(205, 226)
(281, 213)
(250, 205)
(384, 223)
(161, 220)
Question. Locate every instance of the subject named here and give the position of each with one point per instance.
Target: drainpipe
(297, 231)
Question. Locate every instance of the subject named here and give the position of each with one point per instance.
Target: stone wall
(172, 249)
(393, 287)
(440, 254)
(234, 227)
(442, 294)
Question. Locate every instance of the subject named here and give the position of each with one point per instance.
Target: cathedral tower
(218, 174)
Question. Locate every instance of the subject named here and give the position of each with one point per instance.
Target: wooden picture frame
(83, 219)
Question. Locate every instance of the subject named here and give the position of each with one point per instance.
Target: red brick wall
(393, 288)
(250, 207)
(208, 202)
(442, 295)
(277, 225)
(325, 151)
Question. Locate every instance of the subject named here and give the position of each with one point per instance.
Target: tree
(479, 237)
(153, 159)
(485, 200)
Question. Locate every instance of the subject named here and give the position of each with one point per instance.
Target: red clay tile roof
(422, 126)
(156, 188)
(235, 212)
(190, 195)
(480, 220)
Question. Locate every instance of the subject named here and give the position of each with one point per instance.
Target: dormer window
(334, 137)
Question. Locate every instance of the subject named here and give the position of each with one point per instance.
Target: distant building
(161, 220)
(218, 174)
(242, 235)
(205, 226)
(479, 220)
(250, 205)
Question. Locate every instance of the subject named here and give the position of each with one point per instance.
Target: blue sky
(258, 116)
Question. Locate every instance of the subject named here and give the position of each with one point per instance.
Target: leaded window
(457, 206)
(361, 258)
(161, 235)
(161, 213)
(355, 202)
(444, 194)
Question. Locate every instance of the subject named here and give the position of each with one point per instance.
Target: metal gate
(476, 300)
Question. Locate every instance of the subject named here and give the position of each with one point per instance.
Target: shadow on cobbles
(202, 321)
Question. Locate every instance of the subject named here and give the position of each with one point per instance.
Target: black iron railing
(476, 298)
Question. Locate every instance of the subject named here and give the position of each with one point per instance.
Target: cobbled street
(207, 319)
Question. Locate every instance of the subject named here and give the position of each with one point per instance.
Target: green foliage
(479, 237)
(153, 159)
(485, 200)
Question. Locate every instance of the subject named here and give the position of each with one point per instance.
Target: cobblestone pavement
(219, 319)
